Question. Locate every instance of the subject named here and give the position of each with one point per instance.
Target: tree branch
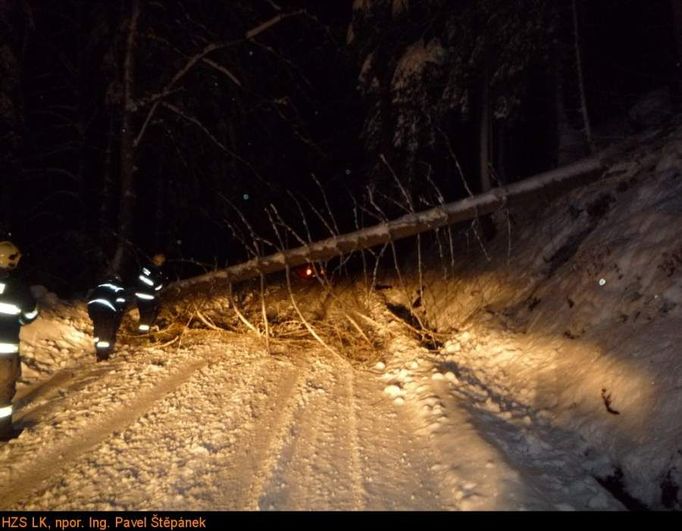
(269, 23)
(211, 136)
(222, 69)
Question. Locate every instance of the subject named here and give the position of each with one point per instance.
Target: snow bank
(581, 322)
(60, 337)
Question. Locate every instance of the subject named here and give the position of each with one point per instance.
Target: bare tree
(484, 130)
(676, 6)
(139, 110)
(127, 141)
(581, 81)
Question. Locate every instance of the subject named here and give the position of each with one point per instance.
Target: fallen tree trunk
(565, 177)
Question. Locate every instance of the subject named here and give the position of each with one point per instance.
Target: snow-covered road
(217, 423)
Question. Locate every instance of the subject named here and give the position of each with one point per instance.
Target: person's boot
(7, 430)
(102, 355)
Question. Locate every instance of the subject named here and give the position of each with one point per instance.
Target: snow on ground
(560, 370)
(215, 422)
(498, 453)
(579, 325)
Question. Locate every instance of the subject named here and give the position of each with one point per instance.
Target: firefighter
(106, 305)
(150, 281)
(17, 307)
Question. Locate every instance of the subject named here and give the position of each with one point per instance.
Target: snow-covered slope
(577, 320)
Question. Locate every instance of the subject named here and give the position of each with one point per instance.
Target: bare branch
(213, 139)
(222, 69)
(321, 218)
(305, 322)
(274, 6)
(326, 203)
(239, 314)
(456, 161)
(406, 195)
(201, 126)
(207, 321)
(264, 313)
(286, 226)
(303, 218)
(370, 197)
(253, 32)
(143, 129)
(168, 89)
(248, 225)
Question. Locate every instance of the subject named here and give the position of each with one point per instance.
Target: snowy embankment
(569, 335)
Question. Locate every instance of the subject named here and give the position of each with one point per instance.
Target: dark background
(302, 109)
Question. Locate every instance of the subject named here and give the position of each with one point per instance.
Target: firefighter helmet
(159, 259)
(9, 255)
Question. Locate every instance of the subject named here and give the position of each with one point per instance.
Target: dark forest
(133, 126)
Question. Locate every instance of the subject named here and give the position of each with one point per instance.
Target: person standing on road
(149, 284)
(106, 305)
(17, 307)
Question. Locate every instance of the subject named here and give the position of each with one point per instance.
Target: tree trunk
(570, 144)
(10, 133)
(500, 151)
(484, 132)
(160, 221)
(11, 111)
(570, 176)
(677, 74)
(127, 146)
(485, 223)
(581, 81)
(107, 185)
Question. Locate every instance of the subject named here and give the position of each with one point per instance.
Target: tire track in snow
(25, 479)
(190, 432)
(217, 479)
(33, 401)
(258, 459)
(254, 426)
(400, 472)
(293, 485)
(169, 457)
(319, 468)
(352, 448)
(354, 443)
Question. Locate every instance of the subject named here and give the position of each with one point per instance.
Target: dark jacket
(150, 280)
(17, 307)
(110, 295)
